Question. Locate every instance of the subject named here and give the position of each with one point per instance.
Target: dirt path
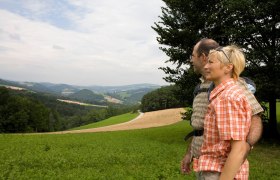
(144, 120)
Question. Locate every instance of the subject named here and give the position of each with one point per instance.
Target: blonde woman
(228, 118)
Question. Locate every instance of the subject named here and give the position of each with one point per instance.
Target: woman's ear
(228, 68)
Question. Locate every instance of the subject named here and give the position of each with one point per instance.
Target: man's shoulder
(201, 89)
(234, 92)
(247, 84)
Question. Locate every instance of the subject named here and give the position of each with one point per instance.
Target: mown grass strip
(110, 121)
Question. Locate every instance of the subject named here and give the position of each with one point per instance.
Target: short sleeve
(233, 118)
(253, 102)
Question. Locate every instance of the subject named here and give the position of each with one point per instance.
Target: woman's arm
(235, 159)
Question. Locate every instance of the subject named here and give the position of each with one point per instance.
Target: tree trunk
(273, 133)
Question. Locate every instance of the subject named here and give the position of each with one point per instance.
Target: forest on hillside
(26, 111)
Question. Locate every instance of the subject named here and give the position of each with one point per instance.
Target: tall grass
(153, 153)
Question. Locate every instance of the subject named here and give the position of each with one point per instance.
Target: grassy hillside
(110, 121)
(132, 96)
(139, 154)
(87, 96)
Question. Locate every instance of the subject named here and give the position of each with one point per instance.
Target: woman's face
(214, 69)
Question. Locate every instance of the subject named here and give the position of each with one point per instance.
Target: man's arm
(256, 129)
(186, 162)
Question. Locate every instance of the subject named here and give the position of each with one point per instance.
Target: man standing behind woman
(199, 59)
(228, 118)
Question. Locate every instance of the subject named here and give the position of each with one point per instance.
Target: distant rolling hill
(86, 95)
(127, 94)
(63, 89)
(132, 96)
(117, 89)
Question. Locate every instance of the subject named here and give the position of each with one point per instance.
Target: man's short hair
(205, 45)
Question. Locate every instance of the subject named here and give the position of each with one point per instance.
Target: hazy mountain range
(127, 94)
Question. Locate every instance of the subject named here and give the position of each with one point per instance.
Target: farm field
(144, 120)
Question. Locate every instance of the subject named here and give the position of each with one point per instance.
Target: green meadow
(278, 113)
(153, 153)
(110, 121)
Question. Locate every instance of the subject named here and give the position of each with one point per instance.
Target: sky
(81, 42)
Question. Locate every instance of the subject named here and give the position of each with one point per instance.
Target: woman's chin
(208, 78)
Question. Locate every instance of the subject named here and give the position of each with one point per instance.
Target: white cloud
(109, 43)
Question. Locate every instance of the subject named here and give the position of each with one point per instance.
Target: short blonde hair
(231, 55)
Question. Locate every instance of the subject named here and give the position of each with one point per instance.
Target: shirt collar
(202, 79)
(217, 90)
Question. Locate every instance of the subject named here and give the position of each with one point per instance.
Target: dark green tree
(162, 98)
(14, 115)
(22, 114)
(182, 25)
(4, 96)
(55, 121)
(39, 117)
(253, 25)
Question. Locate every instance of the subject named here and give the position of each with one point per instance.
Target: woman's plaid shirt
(228, 117)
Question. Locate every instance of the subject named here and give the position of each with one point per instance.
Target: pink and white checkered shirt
(228, 118)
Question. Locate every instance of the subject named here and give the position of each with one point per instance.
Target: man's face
(196, 60)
